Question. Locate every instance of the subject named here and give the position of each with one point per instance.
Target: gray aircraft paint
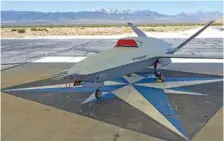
(119, 71)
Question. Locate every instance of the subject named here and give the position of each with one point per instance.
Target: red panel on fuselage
(126, 43)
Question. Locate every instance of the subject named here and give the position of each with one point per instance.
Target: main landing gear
(77, 83)
(98, 94)
(158, 75)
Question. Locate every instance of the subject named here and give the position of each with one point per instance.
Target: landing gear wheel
(158, 75)
(98, 94)
(160, 79)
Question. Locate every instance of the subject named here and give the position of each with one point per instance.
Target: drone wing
(173, 50)
(137, 31)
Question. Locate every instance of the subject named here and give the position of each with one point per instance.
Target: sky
(164, 7)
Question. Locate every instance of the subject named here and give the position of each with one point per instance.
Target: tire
(98, 94)
(161, 78)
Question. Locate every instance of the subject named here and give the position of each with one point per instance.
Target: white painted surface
(187, 60)
(70, 59)
(60, 59)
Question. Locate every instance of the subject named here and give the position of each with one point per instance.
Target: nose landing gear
(98, 94)
(159, 76)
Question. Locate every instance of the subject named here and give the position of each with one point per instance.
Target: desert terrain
(92, 30)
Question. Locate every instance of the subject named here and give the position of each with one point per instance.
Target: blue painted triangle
(188, 79)
(110, 88)
(120, 79)
(146, 80)
(158, 98)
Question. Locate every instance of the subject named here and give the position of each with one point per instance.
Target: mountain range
(103, 16)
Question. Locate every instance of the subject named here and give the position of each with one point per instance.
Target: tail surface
(189, 39)
(137, 31)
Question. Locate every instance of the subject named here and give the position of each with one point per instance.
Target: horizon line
(109, 9)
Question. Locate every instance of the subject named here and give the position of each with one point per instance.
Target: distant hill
(102, 16)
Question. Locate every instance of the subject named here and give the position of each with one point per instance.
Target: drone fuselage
(120, 60)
